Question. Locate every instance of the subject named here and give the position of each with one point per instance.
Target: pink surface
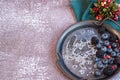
(29, 30)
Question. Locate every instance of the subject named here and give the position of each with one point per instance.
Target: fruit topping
(114, 45)
(117, 60)
(118, 54)
(94, 40)
(111, 61)
(113, 54)
(109, 70)
(104, 48)
(105, 61)
(109, 50)
(98, 73)
(105, 36)
(99, 45)
(100, 65)
(108, 53)
(106, 43)
(99, 54)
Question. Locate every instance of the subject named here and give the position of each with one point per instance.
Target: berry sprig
(105, 8)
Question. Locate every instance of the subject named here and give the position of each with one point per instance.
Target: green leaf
(115, 8)
(108, 9)
(104, 9)
(92, 11)
(115, 4)
(110, 13)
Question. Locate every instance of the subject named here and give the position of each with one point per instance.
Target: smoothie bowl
(89, 51)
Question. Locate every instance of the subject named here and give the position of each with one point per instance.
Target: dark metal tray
(75, 52)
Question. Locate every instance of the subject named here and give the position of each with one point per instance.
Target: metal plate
(75, 52)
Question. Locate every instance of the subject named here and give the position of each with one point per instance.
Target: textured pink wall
(29, 30)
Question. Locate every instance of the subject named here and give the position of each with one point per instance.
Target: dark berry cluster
(108, 52)
(101, 7)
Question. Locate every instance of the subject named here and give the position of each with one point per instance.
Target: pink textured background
(29, 30)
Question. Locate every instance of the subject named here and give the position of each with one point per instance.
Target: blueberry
(95, 59)
(94, 40)
(109, 70)
(105, 61)
(116, 50)
(106, 43)
(105, 36)
(97, 73)
(99, 45)
(100, 65)
(104, 48)
(113, 54)
(111, 61)
(109, 50)
(114, 45)
(118, 54)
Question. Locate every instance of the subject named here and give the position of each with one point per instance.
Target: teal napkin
(81, 9)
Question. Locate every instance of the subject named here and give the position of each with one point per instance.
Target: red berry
(99, 17)
(104, 57)
(109, 46)
(109, 1)
(105, 6)
(95, 9)
(104, 0)
(118, 12)
(108, 56)
(116, 18)
(116, 41)
(119, 47)
(113, 67)
(113, 12)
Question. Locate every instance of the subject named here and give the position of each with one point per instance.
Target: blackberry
(113, 38)
(99, 54)
(117, 61)
(109, 70)
(94, 40)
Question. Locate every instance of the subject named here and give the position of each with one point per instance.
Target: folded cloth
(81, 9)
